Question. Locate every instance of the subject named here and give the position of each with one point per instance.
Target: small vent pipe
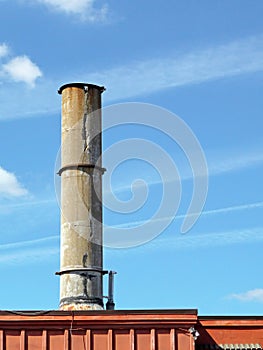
(110, 305)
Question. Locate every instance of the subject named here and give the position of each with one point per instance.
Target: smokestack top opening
(81, 86)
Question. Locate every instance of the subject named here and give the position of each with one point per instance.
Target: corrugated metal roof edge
(231, 317)
(97, 319)
(100, 312)
(133, 312)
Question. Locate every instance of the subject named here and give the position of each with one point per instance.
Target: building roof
(127, 330)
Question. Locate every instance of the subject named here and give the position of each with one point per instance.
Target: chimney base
(70, 304)
(78, 306)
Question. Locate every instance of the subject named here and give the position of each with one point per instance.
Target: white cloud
(4, 50)
(84, 8)
(22, 69)
(251, 295)
(10, 186)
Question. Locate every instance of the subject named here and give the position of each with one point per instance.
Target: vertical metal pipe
(111, 285)
(110, 303)
(81, 173)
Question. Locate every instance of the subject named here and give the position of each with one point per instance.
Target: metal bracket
(81, 270)
(80, 166)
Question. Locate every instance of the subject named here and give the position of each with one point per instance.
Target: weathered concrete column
(81, 192)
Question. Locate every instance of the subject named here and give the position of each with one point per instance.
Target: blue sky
(203, 61)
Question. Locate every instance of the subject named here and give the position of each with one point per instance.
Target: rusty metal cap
(83, 86)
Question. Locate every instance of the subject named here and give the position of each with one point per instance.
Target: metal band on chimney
(82, 167)
(81, 270)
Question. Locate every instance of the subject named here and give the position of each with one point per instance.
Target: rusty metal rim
(82, 86)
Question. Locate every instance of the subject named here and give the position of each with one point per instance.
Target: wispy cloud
(225, 210)
(28, 251)
(10, 186)
(30, 203)
(255, 295)
(218, 211)
(218, 239)
(171, 239)
(217, 165)
(39, 249)
(195, 241)
(84, 9)
(204, 213)
(147, 76)
(234, 162)
(4, 50)
(238, 57)
(22, 69)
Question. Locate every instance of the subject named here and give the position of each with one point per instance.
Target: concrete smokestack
(81, 192)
